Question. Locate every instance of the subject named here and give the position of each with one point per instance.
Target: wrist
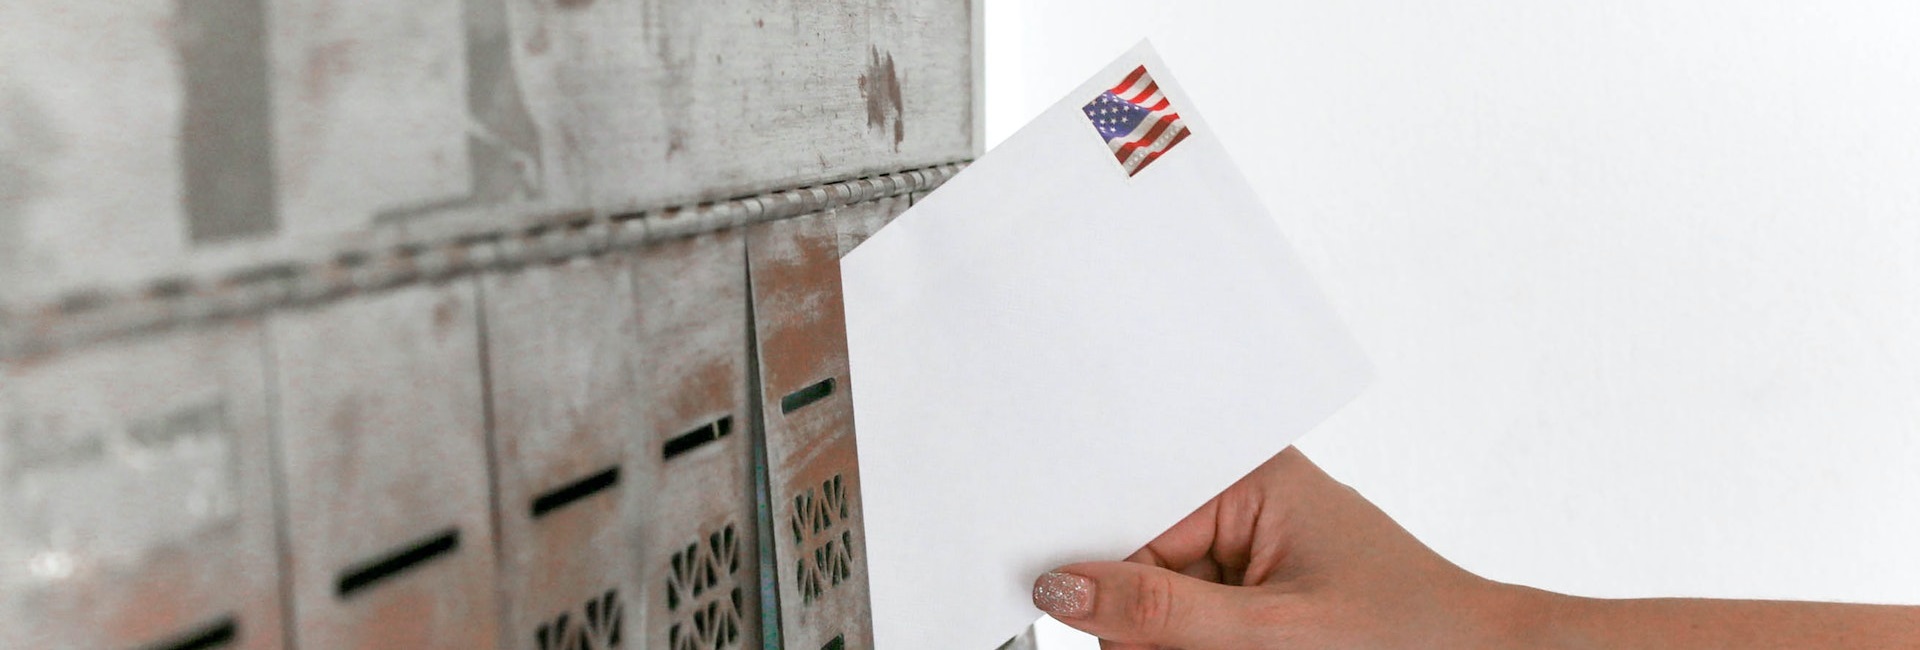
(1514, 617)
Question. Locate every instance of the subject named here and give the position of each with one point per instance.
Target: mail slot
(702, 574)
(384, 459)
(807, 413)
(563, 355)
(136, 503)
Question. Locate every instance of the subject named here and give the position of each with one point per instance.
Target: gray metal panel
(91, 104)
(385, 465)
(569, 438)
(136, 501)
(659, 103)
(807, 406)
(701, 536)
(139, 140)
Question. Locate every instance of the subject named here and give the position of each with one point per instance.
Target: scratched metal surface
(136, 504)
(569, 438)
(209, 135)
(383, 454)
(701, 538)
(807, 411)
(855, 224)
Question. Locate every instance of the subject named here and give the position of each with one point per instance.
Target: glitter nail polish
(1064, 595)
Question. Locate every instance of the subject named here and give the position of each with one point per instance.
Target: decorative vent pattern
(826, 559)
(704, 595)
(597, 629)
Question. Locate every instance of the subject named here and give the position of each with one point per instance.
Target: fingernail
(1063, 595)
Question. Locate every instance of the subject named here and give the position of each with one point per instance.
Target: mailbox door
(807, 405)
(385, 464)
(136, 501)
(563, 354)
(702, 573)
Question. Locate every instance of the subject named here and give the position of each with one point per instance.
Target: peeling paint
(880, 86)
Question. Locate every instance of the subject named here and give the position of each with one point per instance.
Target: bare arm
(1580, 623)
(1290, 558)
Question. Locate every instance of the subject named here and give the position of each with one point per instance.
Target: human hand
(1285, 558)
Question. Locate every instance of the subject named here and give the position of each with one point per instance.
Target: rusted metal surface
(701, 534)
(563, 352)
(136, 504)
(349, 174)
(384, 459)
(806, 399)
(855, 223)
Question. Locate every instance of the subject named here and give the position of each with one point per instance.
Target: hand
(1285, 558)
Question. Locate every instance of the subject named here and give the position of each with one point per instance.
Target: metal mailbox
(384, 458)
(807, 405)
(702, 572)
(565, 367)
(136, 504)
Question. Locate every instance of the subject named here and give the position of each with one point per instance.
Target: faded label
(81, 497)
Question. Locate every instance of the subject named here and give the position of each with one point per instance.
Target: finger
(1116, 645)
(1132, 603)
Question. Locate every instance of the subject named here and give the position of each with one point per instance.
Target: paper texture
(1054, 361)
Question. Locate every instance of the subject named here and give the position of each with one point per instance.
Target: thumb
(1137, 603)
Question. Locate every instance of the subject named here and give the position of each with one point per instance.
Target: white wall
(1641, 278)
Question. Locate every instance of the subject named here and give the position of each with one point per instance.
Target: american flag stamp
(1137, 120)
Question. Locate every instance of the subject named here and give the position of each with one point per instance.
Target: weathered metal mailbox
(565, 370)
(136, 502)
(807, 410)
(701, 534)
(383, 453)
(475, 324)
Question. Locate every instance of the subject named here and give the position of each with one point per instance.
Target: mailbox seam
(87, 316)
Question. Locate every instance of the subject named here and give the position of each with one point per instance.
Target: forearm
(1546, 620)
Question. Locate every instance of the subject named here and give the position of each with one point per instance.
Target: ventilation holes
(826, 559)
(598, 627)
(703, 596)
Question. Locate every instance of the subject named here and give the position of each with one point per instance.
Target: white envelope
(1054, 361)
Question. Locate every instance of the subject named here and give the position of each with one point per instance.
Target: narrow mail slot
(567, 494)
(799, 399)
(691, 440)
(369, 573)
(218, 634)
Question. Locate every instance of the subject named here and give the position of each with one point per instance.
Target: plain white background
(1641, 278)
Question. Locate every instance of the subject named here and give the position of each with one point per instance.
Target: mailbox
(564, 365)
(383, 450)
(702, 549)
(136, 500)
(806, 404)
